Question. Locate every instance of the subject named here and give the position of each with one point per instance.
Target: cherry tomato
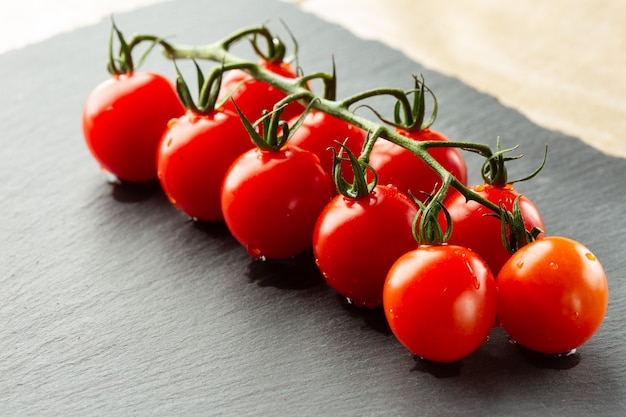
(271, 200)
(253, 96)
(474, 227)
(552, 295)
(400, 167)
(356, 240)
(440, 301)
(319, 131)
(123, 120)
(195, 153)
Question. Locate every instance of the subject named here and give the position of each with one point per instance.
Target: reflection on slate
(126, 192)
(298, 273)
(113, 303)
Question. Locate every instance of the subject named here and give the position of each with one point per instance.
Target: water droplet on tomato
(520, 264)
(554, 265)
(256, 253)
(479, 188)
(169, 142)
(591, 256)
(171, 122)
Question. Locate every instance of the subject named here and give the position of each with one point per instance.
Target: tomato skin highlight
(357, 240)
(440, 301)
(253, 96)
(473, 225)
(123, 120)
(552, 295)
(194, 154)
(319, 131)
(400, 167)
(271, 200)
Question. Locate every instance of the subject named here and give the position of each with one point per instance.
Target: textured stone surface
(112, 303)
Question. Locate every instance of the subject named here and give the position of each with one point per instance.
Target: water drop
(171, 122)
(590, 256)
(520, 264)
(256, 254)
(479, 188)
(169, 142)
(554, 265)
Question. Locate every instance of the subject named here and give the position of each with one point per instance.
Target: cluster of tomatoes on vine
(387, 211)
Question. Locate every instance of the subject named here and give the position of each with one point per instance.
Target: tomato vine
(297, 87)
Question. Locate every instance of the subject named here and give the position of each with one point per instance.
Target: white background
(23, 22)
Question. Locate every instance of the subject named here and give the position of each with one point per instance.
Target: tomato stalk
(218, 52)
(275, 132)
(426, 227)
(360, 187)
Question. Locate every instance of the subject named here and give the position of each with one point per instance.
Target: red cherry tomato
(253, 96)
(400, 167)
(194, 155)
(123, 120)
(319, 131)
(357, 240)
(271, 200)
(552, 295)
(474, 227)
(440, 301)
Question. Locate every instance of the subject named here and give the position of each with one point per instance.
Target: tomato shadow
(297, 273)
(373, 318)
(558, 362)
(217, 229)
(439, 370)
(128, 192)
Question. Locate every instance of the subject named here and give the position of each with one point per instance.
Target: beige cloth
(562, 63)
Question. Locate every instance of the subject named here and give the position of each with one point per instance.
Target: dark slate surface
(112, 303)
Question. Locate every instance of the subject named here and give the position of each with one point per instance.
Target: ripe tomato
(475, 228)
(552, 295)
(271, 200)
(356, 240)
(195, 153)
(319, 131)
(440, 301)
(253, 96)
(123, 120)
(400, 167)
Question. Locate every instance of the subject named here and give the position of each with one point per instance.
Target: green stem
(297, 86)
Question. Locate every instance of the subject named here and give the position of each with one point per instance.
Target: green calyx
(359, 187)
(514, 233)
(493, 169)
(409, 114)
(208, 88)
(273, 51)
(414, 120)
(274, 132)
(123, 63)
(426, 227)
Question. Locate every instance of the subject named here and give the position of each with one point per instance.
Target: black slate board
(113, 303)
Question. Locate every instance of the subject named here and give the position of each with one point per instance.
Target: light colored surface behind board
(24, 22)
(562, 63)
